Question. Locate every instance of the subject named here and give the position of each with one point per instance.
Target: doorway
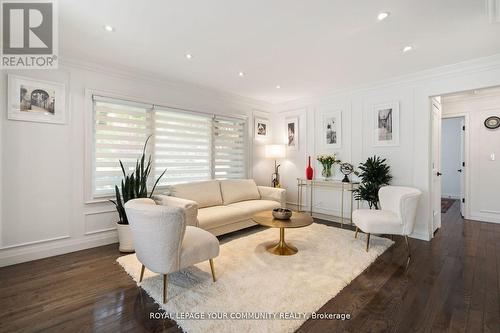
(449, 167)
(452, 162)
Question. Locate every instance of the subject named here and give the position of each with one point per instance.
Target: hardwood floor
(452, 284)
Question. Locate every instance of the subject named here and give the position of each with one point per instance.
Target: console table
(335, 185)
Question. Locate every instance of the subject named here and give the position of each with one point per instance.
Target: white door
(436, 163)
(462, 167)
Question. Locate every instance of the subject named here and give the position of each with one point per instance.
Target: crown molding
(493, 10)
(122, 72)
(464, 67)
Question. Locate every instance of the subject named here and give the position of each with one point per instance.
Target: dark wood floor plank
(452, 284)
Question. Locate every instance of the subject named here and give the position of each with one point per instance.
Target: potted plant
(133, 185)
(374, 174)
(327, 161)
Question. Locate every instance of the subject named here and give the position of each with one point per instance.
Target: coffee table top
(298, 220)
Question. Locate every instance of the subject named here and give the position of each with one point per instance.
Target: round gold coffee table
(298, 220)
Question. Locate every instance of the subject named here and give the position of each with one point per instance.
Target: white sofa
(222, 206)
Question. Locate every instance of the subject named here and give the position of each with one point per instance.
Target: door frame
(435, 146)
(465, 170)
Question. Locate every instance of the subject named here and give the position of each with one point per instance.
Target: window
(229, 148)
(191, 146)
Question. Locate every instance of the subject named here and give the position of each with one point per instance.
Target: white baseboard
(480, 218)
(11, 256)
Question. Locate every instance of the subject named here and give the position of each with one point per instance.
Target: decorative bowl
(282, 213)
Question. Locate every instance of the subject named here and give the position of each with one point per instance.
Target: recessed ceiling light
(241, 74)
(278, 86)
(382, 16)
(188, 56)
(108, 28)
(407, 48)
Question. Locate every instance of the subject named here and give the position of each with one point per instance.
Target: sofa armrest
(272, 193)
(189, 207)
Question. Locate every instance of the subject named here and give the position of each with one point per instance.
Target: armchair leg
(367, 242)
(408, 248)
(212, 269)
(165, 285)
(356, 234)
(142, 273)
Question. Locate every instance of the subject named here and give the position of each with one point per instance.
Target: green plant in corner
(374, 174)
(134, 185)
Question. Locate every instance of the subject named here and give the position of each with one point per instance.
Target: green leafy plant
(374, 174)
(134, 185)
(327, 161)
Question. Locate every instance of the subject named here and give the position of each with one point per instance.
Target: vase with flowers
(327, 161)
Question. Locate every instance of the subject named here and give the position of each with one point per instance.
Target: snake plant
(134, 185)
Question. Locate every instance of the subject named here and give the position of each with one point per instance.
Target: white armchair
(397, 215)
(163, 243)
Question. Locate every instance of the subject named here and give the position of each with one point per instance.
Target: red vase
(309, 170)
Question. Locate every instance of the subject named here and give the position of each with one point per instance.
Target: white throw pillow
(206, 193)
(238, 190)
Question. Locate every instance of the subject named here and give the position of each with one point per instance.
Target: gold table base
(282, 248)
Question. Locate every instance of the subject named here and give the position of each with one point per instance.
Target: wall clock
(492, 122)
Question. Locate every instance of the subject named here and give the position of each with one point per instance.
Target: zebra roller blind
(191, 146)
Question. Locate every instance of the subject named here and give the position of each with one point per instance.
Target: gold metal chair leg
(165, 285)
(367, 242)
(212, 269)
(356, 234)
(408, 248)
(142, 273)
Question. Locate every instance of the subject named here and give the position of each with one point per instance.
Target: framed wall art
(386, 124)
(292, 133)
(36, 100)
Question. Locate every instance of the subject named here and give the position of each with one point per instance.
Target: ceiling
(306, 47)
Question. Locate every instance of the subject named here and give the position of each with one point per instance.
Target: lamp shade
(275, 151)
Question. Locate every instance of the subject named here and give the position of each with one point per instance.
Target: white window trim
(89, 121)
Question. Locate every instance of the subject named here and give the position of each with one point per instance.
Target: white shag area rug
(252, 280)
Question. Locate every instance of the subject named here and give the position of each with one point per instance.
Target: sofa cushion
(206, 193)
(215, 216)
(251, 207)
(236, 190)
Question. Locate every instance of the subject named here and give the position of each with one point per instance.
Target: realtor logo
(29, 35)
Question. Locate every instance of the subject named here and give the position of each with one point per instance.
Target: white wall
(451, 157)
(483, 181)
(43, 165)
(410, 161)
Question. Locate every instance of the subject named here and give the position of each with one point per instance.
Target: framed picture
(36, 100)
(332, 130)
(386, 124)
(292, 133)
(261, 128)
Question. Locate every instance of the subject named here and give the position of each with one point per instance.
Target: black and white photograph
(386, 124)
(292, 133)
(36, 100)
(331, 131)
(261, 128)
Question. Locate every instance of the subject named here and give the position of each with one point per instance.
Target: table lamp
(275, 151)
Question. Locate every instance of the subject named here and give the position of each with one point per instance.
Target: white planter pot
(125, 238)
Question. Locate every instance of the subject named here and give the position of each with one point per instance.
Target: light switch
(492, 156)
